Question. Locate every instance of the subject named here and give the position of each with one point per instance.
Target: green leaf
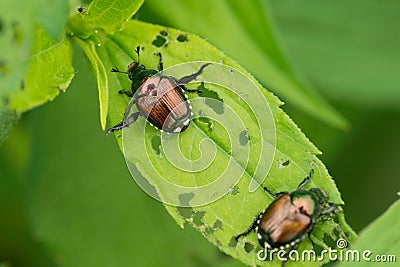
(49, 73)
(356, 62)
(381, 238)
(18, 22)
(89, 47)
(246, 31)
(221, 220)
(108, 15)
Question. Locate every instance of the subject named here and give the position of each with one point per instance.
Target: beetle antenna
(138, 53)
(118, 71)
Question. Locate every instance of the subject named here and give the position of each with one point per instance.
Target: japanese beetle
(160, 99)
(292, 215)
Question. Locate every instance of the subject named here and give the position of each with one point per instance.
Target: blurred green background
(67, 198)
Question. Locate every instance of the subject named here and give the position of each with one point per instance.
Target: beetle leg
(330, 209)
(125, 92)
(125, 123)
(306, 180)
(191, 90)
(160, 63)
(118, 71)
(137, 51)
(189, 78)
(266, 189)
(251, 228)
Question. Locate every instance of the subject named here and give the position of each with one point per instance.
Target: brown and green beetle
(292, 215)
(160, 99)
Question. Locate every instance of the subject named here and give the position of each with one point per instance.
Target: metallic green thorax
(138, 73)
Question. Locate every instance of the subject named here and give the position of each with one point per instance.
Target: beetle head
(134, 68)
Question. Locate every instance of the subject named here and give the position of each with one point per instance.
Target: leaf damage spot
(161, 39)
(184, 199)
(81, 9)
(156, 144)
(185, 212)
(283, 163)
(22, 85)
(248, 247)
(218, 225)
(232, 243)
(210, 97)
(244, 137)
(182, 38)
(211, 229)
(208, 122)
(198, 218)
(233, 190)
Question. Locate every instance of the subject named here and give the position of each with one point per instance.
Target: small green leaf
(381, 238)
(110, 15)
(49, 73)
(89, 47)
(221, 220)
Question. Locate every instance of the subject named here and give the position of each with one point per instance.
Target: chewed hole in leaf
(248, 247)
(217, 106)
(329, 241)
(318, 249)
(186, 213)
(22, 85)
(184, 199)
(198, 218)
(208, 122)
(164, 33)
(217, 225)
(234, 190)
(159, 41)
(283, 163)
(244, 137)
(182, 38)
(232, 243)
(156, 144)
(208, 230)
